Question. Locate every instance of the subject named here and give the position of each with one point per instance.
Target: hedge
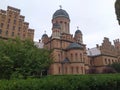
(65, 82)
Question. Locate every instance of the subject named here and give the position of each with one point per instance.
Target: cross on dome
(45, 31)
(77, 28)
(60, 6)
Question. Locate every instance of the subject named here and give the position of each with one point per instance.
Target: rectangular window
(12, 33)
(14, 21)
(15, 16)
(13, 27)
(10, 15)
(0, 31)
(8, 26)
(18, 34)
(2, 25)
(20, 23)
(6, 32)
(8, 20)
(19, 28)
(23, 35)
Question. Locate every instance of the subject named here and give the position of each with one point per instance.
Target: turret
(45, 38)
(78, 36)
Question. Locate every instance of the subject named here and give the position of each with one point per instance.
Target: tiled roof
(75, 46)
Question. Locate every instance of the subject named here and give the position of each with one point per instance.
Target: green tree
(116, 66)
(117, 10)
(6, 66)
(22, 58)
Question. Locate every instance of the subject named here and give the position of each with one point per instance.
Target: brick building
(103, 55)
(69, 51)
(12, 25)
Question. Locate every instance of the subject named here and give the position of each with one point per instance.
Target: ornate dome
(78, 31)
(75, 46)
(44, 35)
(60, 13)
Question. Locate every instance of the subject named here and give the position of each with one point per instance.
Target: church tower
(60, 23)
(45, 38)
(69, 52)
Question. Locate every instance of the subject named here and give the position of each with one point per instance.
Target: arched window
(71, 57)
(82, 70)
(71, 70)
(2, 25)
(6, 32)
(112, 61)
(109, 61)
(66, 27)
(61, 22)
(59, 57)
(0, 31)
(76, 56)
(59, 70)
(118, 59)
(81, 57)
(66, 71)
(77, 70)
(105, 61)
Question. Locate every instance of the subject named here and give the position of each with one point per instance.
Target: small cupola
(78, 36)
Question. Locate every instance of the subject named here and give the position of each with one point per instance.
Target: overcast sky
(95, 18)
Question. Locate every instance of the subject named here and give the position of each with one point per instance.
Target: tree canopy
(22, 58)
(116, 66)
(117, 10)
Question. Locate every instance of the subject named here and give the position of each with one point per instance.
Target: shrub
(65, 82)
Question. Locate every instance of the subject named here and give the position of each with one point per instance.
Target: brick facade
(101, 56)
(12, 25)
